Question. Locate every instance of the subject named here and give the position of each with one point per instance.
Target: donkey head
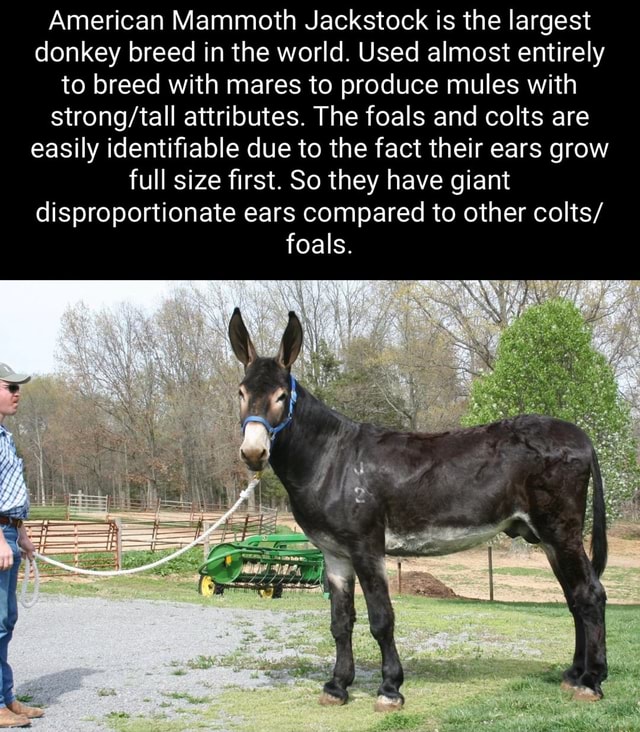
(267, 391)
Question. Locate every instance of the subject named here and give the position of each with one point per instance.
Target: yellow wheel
(271, 593)
(206, 586)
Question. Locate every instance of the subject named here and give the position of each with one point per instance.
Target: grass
(54, 513)
(469, 665)
(497, 667)
(623, 581)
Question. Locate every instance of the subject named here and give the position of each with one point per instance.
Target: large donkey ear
(291, 342)
(240, 340)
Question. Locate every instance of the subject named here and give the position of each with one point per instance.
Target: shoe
(9, 719)
(17, 707)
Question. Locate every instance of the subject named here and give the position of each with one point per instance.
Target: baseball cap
(8, 374)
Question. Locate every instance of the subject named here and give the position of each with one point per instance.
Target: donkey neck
(309, 440)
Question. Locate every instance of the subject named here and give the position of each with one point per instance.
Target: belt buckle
(11, 521)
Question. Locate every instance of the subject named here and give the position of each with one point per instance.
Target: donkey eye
(241, 395)
(281, 398)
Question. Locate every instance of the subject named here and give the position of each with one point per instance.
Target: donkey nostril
(246, 458)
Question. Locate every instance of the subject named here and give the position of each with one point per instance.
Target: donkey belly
(437, 540)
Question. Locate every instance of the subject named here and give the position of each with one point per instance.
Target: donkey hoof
(329, 700)
(584, 693)
(581, 692)
(387, 704)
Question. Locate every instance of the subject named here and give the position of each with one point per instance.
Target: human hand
(25, 543)
(6, 554)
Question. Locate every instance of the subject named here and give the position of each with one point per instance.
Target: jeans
(8, 614)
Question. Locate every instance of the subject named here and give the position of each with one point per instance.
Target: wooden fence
(84, 504)
(168, 532)
(101, 544)
(98, 542)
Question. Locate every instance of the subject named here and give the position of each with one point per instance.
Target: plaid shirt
(14, 498)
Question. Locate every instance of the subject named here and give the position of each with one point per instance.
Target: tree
(472, 314)
(113, 366)
(546, 365)
(147, 406)
(422, 361)
(363, 389)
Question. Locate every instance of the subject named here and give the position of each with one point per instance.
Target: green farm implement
(266, 563)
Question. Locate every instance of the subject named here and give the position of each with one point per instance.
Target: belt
(10, 521)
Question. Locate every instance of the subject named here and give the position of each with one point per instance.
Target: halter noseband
(273, 431)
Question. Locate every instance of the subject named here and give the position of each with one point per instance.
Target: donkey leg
(586, 599)
(341, 578)
(373, 579)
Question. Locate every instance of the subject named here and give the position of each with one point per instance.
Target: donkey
(359, 492)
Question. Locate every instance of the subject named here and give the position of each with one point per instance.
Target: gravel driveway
(85, 658)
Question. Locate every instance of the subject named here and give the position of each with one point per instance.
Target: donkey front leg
(372, 574)
(341, 578)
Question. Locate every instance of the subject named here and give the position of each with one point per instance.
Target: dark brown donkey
(360, 492)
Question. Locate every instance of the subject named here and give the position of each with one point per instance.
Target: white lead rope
(244, 495)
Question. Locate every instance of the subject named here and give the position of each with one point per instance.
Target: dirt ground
(518, 576)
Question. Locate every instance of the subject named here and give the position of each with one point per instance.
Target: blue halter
(273, 431)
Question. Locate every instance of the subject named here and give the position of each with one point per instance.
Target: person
(14, 508)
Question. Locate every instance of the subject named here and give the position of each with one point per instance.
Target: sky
(31, 310)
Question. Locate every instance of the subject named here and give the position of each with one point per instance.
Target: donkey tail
(599, 533)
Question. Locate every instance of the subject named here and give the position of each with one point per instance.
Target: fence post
(118, 523)
(42, 545)
(154, 534)
(76, 546)
(490, 555)
(244, 528)
(205, 543)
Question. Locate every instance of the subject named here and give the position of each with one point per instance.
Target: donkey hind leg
(586, 600)
(373, 579)
(341, 578)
